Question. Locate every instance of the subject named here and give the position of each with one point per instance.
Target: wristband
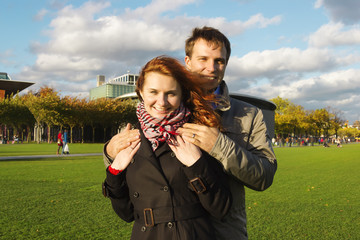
(114, 171)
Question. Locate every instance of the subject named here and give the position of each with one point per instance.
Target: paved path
(48, 156)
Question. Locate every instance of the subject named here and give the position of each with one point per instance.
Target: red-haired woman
(168, 186)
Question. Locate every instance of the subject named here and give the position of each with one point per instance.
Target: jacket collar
(146, 151)
(224, 100)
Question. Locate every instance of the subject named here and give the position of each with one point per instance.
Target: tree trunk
(48, 133)
(71, 134)
(29, 134)
(82, 134)
(93, 136)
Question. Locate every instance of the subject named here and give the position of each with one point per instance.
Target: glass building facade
(115, 87)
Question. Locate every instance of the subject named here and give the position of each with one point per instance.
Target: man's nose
(210, 66)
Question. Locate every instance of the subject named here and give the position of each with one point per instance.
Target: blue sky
(306, 51)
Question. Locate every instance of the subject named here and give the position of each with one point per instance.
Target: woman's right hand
(186, 152)
(123, 158)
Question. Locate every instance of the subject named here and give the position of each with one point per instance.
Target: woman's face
(161, 94)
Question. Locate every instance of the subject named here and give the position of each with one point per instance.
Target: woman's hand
(123, 158)
(186, 152)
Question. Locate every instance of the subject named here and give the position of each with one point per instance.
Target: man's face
(209, 60)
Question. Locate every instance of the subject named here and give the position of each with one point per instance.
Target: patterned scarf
(161, 130)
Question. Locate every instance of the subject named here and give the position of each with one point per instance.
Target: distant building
(115, 87)
(8, 86)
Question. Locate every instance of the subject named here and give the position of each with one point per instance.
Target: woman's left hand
(186, 152)
(124, 157)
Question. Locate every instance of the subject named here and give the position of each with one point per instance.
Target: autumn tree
(289, 118)
(336, 119)
(124, 112)
(356, 124)
(14, 113)
(44, 106)
(71, 113)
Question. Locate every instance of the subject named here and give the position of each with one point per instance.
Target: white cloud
(339, 89)
(334, 34)
(261, 21)
(40, 15)
(272, 64)
(346, 11)
(80, 42)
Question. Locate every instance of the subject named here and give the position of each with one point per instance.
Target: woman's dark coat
(156, 186)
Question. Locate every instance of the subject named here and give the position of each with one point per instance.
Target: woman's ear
(141, 94)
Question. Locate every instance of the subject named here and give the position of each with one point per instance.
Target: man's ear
(188, 62)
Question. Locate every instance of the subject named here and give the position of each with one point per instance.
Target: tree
(44, 106)
(336, 119)
(14, 113)
(71, 113)
(356, 124)
(321, 119)
(289, 118)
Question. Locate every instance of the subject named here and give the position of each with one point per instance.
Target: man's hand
(202, 136)
(122, 140)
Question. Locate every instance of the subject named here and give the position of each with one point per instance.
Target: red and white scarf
(161, 130)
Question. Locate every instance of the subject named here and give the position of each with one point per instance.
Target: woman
(59, 142)
(169, 187)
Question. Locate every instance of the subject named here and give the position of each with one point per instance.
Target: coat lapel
(145, 150)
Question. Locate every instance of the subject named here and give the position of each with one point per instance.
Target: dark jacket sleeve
(118, 192)
(209, 181)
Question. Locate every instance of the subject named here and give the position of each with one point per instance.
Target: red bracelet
(114, 171)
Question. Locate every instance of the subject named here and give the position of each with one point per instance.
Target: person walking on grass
(59, 142)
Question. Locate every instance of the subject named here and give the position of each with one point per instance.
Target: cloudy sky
(306, 51)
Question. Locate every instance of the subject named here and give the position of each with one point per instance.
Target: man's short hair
(209, 34)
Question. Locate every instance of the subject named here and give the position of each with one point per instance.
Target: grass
(314, 196)
(57, 199)
(47, 148)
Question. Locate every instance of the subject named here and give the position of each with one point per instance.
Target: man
(65, 140)
(244, 148)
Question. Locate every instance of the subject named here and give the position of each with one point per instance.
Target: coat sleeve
(118, 192)
(253, 161)
(207, 178)
(107, 159)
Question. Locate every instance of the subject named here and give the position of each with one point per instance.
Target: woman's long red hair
(193, 97)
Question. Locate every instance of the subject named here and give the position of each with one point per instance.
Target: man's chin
(210, 86)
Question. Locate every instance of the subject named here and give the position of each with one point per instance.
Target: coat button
(172, 154)
(132, 160)
(143, 228)
(166, 188)
(170, 224)
(136, 194)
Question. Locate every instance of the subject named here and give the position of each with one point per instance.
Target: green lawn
(315, 195)
(47, 148)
